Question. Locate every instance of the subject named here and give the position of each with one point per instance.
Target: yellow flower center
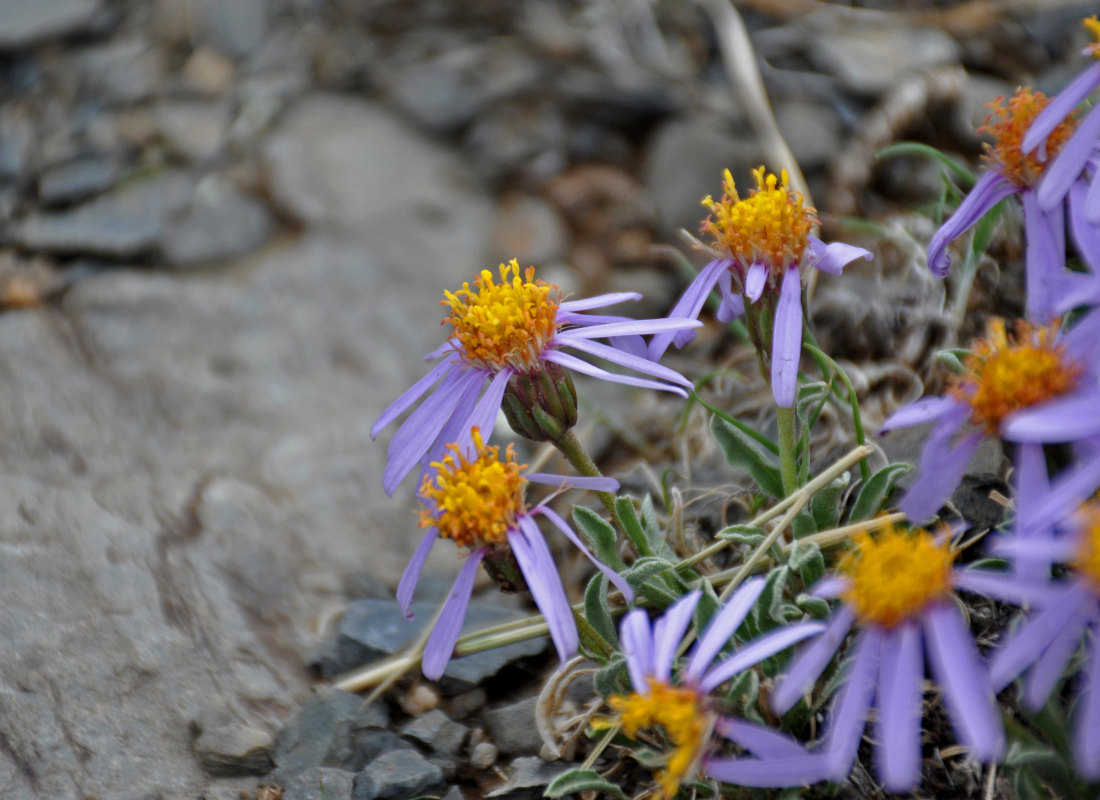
(1003, 375)
(1087, 560)
(1092, 25)
(504, 324)
(896, 574)
(474, 501)
(677, 709)
(1015, 117)
(770, 225)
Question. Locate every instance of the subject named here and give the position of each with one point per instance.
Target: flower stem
(787, 467)
(574, 452)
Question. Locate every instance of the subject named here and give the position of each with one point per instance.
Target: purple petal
(412, 394)
(668, 632)
(1092, 200)
(456, 431)
(627, 360)
(849, 715)
(990, 189)
(638, 326)
(1008, 588)
(1033, 637)
(920, 412)
(760, 741)
(1085, 235)
(755, 280)
(688, 306)
(1052, 663)
(537, 565)
(583, 367)
(1060, 107)
(1066, 167)
(835, 256)
(1083, 340)
(941, 469)
(809, 663)
(772, 772)
(600, 484)
(732, 305)
(441, 642)
(899, 708)
(1086, 735)
(1045, 548)
(1069, 491)
(1032, 483)
(787, 340)
(964, 682)
(633, 345)
(831, 586)
(409, 578)
(753, 653)
(416, 434)
(616, 579)
(1044, 259)
(599, 301)
(1064, 420)
(637, 642)
(721, 628)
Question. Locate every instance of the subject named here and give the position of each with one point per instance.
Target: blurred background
(226, 225)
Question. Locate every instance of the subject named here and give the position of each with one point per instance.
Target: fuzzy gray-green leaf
(743, 452)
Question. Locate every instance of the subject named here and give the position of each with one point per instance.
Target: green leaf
(811, 399)
(581, 780)
(743, 534)
(596, 610)
(807, 561)
(953, 358)
(766, 612)
(612, 678)
(744, 691)
(708, 605)
(825, 505)
(816, 607)
(647, 540)
(744, 453)
(645, 568)
(874, 493)
(960, 173)
(600, 535)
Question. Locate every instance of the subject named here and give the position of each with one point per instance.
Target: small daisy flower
(511, 335)
(1045, 643)
(682, 707)
(1012, 171)
(1067, 164)
(1041, 385)
(896, 588)
(764, 240)
(479, 503)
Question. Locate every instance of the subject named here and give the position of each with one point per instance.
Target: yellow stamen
(1087, 560)
(677, 709)
(1015, 117)
(896, 574)
(474, 501)
(504, 324)
(1004, 375)
(1092, 25)
(770, 225)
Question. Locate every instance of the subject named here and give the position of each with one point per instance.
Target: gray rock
(397, 774)
(320, 728)
(76, 180)
(685, 162)
(233, 750)
(371, 629)
(221, 224)
(811, 130)
(127, 223)
(869, 58)
(454, 793)
(527, 778)
(235, 28)
(320, 783)
(367, 745)
(16, 143)
(194, 130)
(513, 729)
(483, 755)
(122, 71)
(437, 731)
(27, 22)
(530, 230)
(519, 136)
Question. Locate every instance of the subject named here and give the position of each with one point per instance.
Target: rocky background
(225, 226)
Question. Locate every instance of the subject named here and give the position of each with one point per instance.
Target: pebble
(208, 72)
(322, 726)
(76, 180)
(420, 699)
(220, 225)
(28, 22)
(397, 774)
(233, 750)
(122, 71)
(320, 783)
(513, 727)
(527, 777)
(437, 731)
(528, 229)
(193, 130)
(483, 755)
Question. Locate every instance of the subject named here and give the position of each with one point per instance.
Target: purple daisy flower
(1013, 172)
(1043, 386)
(897, 588)
(765, 239)
(478, 501)
(682, 707)
(504, 331)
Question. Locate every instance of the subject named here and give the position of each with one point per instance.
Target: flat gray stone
(513, 728)
(527, 778)
(397, 774)
(233, 750)
(193, 129)
(76, 180)
(220, 225)
(320, 783)
(321, 726)
(28, 22)
(437, 731)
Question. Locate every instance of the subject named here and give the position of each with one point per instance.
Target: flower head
(1007, 123)
(762, 241)
(1041, 385)
(477, 498)
(682, 708)
(887, 668)
(517, 328)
